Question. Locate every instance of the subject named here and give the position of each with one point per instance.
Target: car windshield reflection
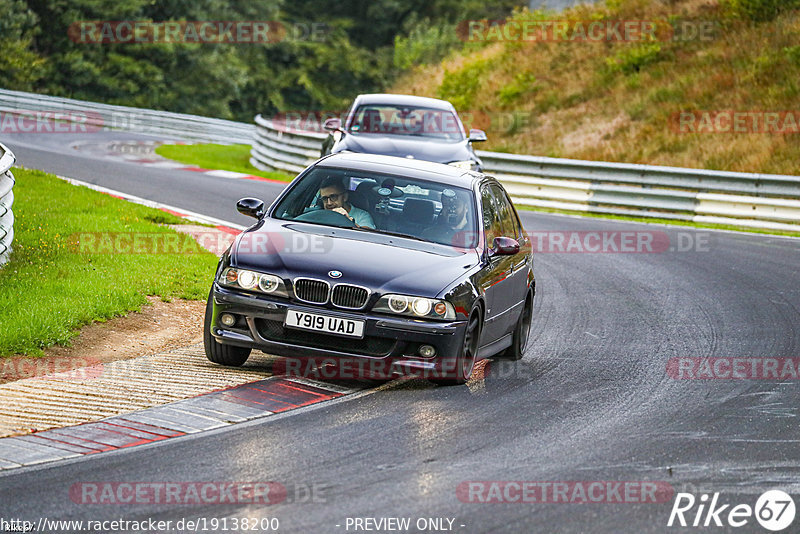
(385, 204)
(407, 120)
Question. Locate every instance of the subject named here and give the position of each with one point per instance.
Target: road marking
(227, 174)
(189, 215)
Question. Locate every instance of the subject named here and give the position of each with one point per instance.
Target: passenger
(335, 198)
(453, 225)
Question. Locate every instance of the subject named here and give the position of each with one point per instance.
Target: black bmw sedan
(404, 266)
(404, 126)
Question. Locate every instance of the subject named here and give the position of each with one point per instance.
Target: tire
(216, 351)
(521, 333)
(467, 355)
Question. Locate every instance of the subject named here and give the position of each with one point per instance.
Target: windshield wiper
(386, 232)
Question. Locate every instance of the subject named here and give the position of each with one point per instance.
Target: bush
(793, 54)
(631, 60)
(461, 86)
(523, 83)
(759, 10)
(426, 43)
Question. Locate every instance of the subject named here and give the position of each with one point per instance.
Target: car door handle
(517, 267)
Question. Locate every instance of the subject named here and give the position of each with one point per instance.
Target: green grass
(234, 158)
(654, 220)
(51, 287)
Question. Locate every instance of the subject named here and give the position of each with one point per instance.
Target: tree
(21, 67)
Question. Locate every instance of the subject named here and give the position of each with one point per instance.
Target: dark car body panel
(472, 279)
(388, 262)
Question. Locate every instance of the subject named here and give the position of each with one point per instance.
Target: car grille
(347, 296)
(313, 291)
(368, 346)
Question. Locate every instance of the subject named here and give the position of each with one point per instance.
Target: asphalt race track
(591, 401)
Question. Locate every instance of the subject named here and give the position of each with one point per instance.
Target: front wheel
(465, 362)
(216, 351)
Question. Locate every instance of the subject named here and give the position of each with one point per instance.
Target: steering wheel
(323, 216)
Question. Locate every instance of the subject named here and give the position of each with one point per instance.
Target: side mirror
(476, 136)
(252, 207)
(504, 246)
(332, 125)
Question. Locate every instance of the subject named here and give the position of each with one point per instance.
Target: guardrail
(278, 149)
(768, 201)
(95, 116)
(6, 201)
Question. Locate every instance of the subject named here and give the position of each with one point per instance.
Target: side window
(508, 218)
(489, 215)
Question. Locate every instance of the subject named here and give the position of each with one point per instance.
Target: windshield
(407, 120)
(387, 204)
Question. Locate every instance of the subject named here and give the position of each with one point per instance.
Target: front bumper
(389, 343)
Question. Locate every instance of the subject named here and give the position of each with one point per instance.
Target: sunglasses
(331, 198)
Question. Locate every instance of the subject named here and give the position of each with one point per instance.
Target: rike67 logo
(774, 510)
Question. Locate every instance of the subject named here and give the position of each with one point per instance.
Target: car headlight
(252, 281)
(421, 307)
(467, 165)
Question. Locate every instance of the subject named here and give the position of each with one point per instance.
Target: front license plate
(324, 323)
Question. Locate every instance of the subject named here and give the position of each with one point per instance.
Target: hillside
(622, 101)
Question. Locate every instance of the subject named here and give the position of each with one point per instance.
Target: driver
(335, 198)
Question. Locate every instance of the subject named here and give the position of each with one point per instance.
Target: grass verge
(58, 280)
(234, 158)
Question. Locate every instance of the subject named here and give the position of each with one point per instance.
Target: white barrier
(6, 202)
(95, 116)
(768, 201)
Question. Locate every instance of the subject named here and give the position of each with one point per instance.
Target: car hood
(383, 263)
(423, 148)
